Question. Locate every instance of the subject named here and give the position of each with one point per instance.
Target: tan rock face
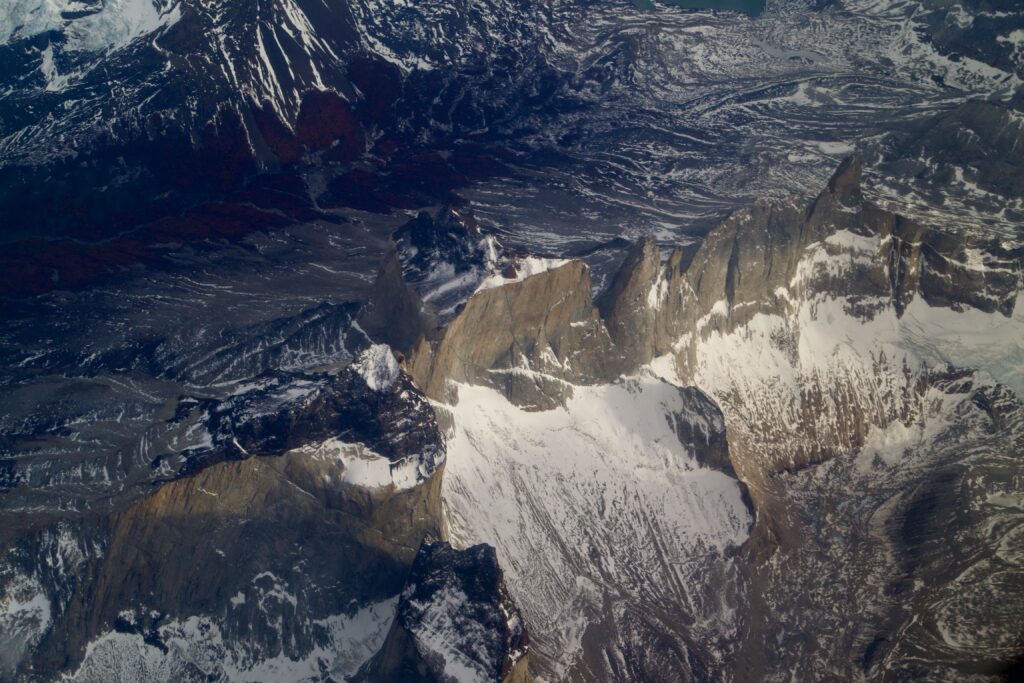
(282, 536)
(769, 282)
(394, 313)
(527, 338)
(531, 339)
(296, 543)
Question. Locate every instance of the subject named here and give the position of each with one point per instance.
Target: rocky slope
(455, 621)
(277, 550)
(198, 120)
(786, 444)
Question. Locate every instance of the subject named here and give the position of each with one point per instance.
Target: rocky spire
(844, 185)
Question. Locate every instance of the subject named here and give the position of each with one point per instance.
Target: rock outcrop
(302, 507)
(810, 328)
(455, 621)
(532, 339)
(370, 403)
(267, 550)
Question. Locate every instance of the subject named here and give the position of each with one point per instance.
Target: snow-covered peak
(88, 26)
(378, 366)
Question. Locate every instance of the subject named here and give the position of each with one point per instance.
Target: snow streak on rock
(197, 644)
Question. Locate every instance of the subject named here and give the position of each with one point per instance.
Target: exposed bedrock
(455, 621)
(263, 548)
(768, 276)
(532, 338)
(807, 350)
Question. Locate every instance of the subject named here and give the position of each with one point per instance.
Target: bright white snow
(527, 267)
(378, 366)
(598, 493)
(117, 23)
(360, 466)
(198, 643)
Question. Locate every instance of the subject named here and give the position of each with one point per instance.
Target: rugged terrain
(495, 342)
(822, 335)
(773, 429)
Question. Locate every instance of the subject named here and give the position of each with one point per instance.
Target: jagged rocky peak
(370, 415)
(534, 338)
(531, 339)
(455, 621)
(761, 253)
(316, 563)
(629, 305)
(844, 185)
(434, 250)
(448, 256)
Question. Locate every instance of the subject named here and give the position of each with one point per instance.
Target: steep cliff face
(772, 272)
(759, 256)
(276, 559)
(486, 315)
(532, 339)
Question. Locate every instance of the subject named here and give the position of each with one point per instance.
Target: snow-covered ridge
(826, 361)
(521, 269)
(361, 466)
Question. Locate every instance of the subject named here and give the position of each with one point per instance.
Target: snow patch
(378, 366)
(25, 616)
(199, 643)
(442, 627)
(969, 338)
(115, 24)
(524, 268)
(364, 467)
